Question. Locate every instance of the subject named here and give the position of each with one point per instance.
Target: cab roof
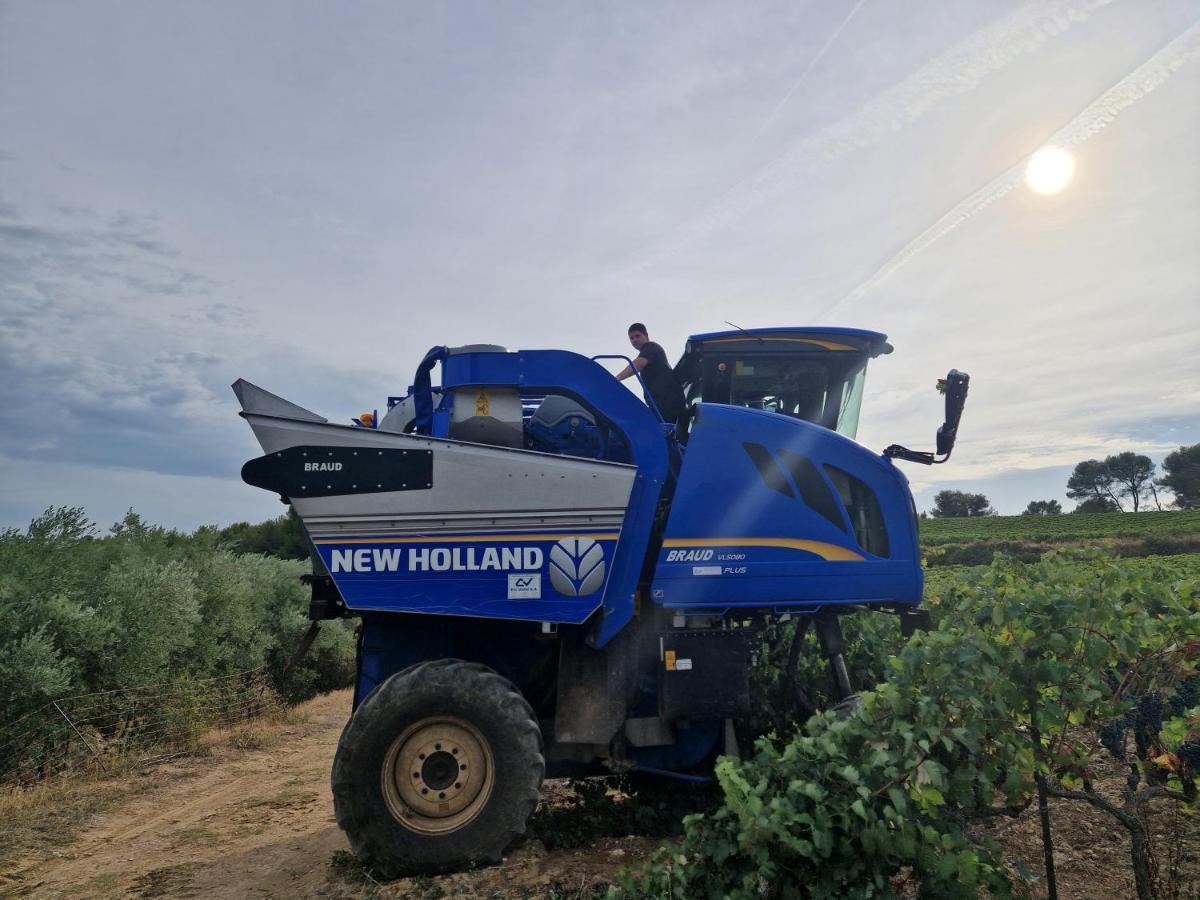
(856, 340)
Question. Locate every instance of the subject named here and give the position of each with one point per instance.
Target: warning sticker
(524, 585)
(669, 660)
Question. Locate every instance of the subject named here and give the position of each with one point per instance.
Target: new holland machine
(552, 580)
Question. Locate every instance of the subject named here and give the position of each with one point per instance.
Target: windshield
(826, 390)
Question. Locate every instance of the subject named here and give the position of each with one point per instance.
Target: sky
(310, 195)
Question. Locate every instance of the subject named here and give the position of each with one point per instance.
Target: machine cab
(814, 374)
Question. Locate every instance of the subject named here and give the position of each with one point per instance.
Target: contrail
(957, 71)
(807, 69)
(1093, 119)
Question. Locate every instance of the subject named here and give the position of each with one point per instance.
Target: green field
(940, 580)
(1061, 528)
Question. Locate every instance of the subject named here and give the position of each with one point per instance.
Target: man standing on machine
(660, 379)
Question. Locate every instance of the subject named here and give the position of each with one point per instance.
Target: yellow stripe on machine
(828, 345)
(827, 551)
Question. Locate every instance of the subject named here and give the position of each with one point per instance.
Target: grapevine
(961, 721)
(1055, 529)
(1112, 738)
(1189, 753)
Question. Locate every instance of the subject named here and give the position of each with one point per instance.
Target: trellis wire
(134, 725)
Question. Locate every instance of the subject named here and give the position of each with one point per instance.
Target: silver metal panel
(398, 417)
(255, 400)
(399, 524)
(471, 482)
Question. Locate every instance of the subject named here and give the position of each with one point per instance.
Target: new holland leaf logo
(577, 566)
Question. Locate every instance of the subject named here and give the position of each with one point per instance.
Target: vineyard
(1035, 678)
(1060, 528)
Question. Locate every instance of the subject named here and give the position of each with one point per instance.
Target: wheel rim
(438, 775)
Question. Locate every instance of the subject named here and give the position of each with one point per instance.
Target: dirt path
(257, 821)
(237, 823)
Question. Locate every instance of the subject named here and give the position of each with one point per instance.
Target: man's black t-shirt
(661, 381)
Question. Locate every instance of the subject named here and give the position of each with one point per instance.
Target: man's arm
(640, 363)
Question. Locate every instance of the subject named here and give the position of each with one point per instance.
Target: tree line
(1100, 485)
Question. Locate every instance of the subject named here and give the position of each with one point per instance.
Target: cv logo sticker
(577, 566)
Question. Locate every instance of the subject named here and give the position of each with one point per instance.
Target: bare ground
(257, 822)
(235, 823)
(254, 818)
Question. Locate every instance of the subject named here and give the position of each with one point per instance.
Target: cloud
(89, 374)
(1093, 119)
(85, 248)
(956, 71)
(114, 353)
(812, 64)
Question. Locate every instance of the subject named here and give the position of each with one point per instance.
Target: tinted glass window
(813, 489)
(826, 390)
(863, 506)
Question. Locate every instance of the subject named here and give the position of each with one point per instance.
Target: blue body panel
(695, 741)
(744, 532)
(391, 643)
(577, 377)
(488, 575)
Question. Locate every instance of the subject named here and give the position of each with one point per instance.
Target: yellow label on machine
(669, 657)
(482, 404)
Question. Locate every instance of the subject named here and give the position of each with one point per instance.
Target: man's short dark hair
(638, 326)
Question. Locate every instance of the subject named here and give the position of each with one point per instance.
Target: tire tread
(353, 803)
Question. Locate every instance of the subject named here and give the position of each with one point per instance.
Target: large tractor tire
(438, 768)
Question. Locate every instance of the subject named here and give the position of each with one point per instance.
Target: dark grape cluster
(1112, 738)
(1189, 753)
(1150, 714)
(1186, 696)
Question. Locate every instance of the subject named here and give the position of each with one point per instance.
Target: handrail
(637, 372)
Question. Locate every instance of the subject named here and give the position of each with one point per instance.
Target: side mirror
(954, 386)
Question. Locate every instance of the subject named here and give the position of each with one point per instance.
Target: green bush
(81, 612)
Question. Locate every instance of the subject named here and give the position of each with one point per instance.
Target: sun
(1049, 170)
